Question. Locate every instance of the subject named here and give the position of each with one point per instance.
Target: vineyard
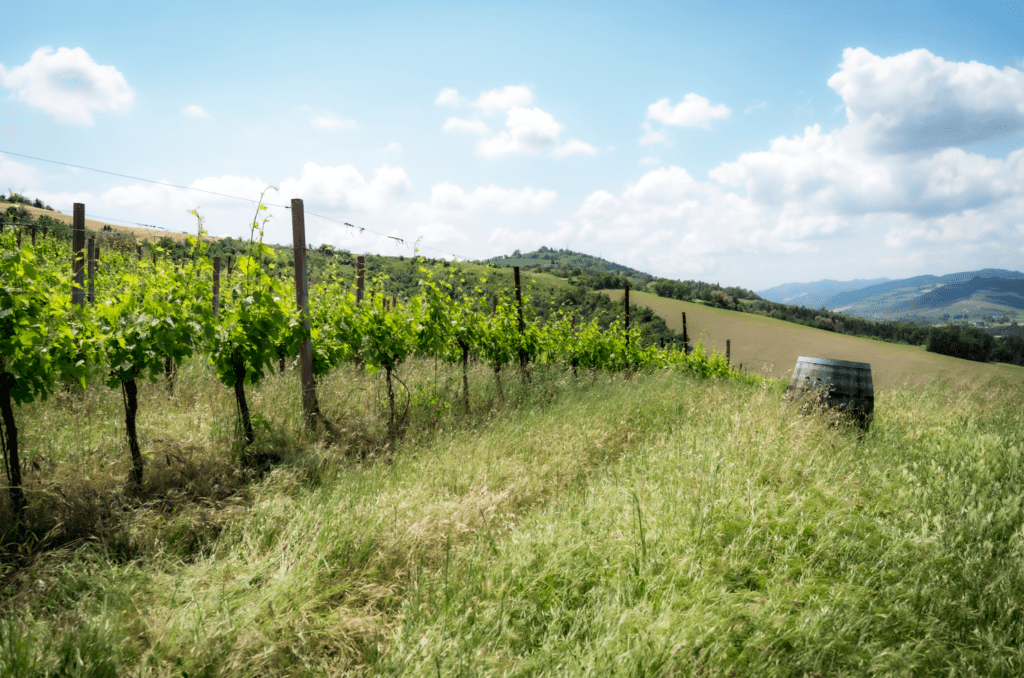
(70, 317)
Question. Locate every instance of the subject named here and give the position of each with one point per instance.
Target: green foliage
(969, 343)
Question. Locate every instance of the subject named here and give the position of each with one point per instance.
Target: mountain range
(924, 298)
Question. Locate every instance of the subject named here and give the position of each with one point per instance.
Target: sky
(744, 143)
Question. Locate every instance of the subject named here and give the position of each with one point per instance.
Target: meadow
(771, 347)
(640, 524)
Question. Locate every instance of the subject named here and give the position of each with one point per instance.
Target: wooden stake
(310, 406)
(360, 272)
(92, 271)
(626, 304)
(728, 349)
(78, 256)
(216, 285)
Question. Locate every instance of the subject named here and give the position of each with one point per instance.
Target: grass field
(643, 525)
(771, 346)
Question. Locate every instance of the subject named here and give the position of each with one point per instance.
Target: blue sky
(747, 143)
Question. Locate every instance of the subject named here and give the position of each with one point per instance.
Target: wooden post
(310, 406)
(728, 350)
(17, 237)
(522, 323)
(154, 256)
(32, 230)
(229, 265)
(78, 256)
(572, 325)
(686, 339)
(138, 252)
(494, 304)
(92, 270)
(626, 304)
(360, 273)
(216, 285)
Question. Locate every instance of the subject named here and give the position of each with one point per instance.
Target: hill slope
(772, 346)
(899, 298)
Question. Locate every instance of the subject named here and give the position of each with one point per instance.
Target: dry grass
(771, 347)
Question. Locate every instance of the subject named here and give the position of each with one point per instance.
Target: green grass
(605, 525)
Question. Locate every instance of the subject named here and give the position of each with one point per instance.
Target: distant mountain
(926, 298)
(815, 294)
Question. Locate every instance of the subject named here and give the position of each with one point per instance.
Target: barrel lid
(833, 363)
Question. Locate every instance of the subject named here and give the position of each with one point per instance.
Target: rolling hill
(984, 292)
(771, 347)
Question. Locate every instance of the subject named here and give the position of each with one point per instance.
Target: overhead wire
(223, 195)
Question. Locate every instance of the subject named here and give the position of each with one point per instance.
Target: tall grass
(646, 525)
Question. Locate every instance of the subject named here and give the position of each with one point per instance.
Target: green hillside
(771, 347)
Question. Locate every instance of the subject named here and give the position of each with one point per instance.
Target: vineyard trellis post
(626, 304)
(77, 257)
(32, 230)
(138, 252)
(360, 278)
(522, 323)
(728, 351)
(216, 285)
(92, 270)
(309, 402)
(686, 339)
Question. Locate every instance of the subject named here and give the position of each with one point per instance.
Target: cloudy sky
(743, 143)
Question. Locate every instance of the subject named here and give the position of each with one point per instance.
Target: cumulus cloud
(529, 130)
(333, 123)
(506, 98)
(450, 201)
(653, 136)
(917, 101)
(196, 111)
(448, 97)
(693, 111)
(471, 126)
(573, 146)
(344, 186)
(68, 84)
(851, 185)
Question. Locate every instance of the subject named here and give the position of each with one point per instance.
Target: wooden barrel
(844, 385)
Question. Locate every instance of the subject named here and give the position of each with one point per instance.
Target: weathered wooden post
(728, 351)
(78, 256)
(310, 406)
(92, 270)
(138, 252)
(626, 304)
(32, 230)
(216, 285)
(522, 323)
(360, 278)
(686, 339)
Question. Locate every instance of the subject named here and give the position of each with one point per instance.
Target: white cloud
(650, 160)
(344, 186)
(393, 147)
(530, 130)
(471, 126)
(448, 97)
(448, 200)
(196, 111)
(333, 123)
(573, 146)
(693, 111)
(918, 101)
(68, 84)
(653, 136)
(509, 97)
(759, 106)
